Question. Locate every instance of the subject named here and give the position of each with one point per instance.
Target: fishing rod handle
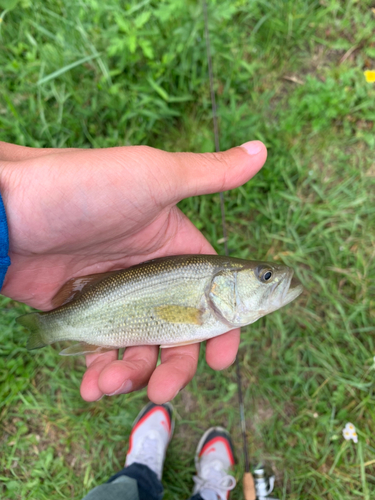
(249, 486)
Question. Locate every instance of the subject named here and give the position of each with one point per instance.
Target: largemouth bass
(170, 301)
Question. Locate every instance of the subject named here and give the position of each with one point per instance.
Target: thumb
(195, 174)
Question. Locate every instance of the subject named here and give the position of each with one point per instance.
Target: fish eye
(265, 274)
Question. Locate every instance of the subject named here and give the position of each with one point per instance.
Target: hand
(75, 212)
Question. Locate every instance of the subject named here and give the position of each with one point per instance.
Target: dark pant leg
(149, 485)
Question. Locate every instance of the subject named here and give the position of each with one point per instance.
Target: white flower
(349, 432)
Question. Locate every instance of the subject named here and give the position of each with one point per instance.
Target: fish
(170, 301)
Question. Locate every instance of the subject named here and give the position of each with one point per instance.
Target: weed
(99, 74)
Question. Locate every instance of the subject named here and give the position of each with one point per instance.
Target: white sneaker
(150, 436)
(214, 457)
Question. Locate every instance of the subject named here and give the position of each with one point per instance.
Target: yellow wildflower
(370, 76)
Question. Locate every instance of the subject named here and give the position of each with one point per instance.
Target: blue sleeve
(4, 243)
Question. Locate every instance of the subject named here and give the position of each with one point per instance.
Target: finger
(177, 368)
(221, 351)
(95, 362)
(195, 174)
(131, 373)
(175, 176)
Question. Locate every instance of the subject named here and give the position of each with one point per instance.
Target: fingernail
(101, 397)
(126, 387)
(252, 147)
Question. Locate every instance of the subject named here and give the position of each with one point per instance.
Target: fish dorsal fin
(76, 286)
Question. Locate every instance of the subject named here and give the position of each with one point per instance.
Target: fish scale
(169, 301)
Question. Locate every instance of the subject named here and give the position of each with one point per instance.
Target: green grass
(99, 74)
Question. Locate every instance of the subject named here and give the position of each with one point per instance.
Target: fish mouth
(286, 290)
(293, 291)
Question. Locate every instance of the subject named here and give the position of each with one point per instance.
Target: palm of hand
(79, 212)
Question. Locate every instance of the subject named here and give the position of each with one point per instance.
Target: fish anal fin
(76, 286)
(83, 348)
(186, 342)
(179, 314)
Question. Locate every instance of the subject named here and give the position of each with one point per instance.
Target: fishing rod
(256, 486)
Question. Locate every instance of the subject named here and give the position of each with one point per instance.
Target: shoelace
(214, 479)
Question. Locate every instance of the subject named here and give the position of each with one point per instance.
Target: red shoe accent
(216, 440)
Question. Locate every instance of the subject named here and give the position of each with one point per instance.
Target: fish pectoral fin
(180, 314)
(186, 342)
(76, 286)
(83, 348)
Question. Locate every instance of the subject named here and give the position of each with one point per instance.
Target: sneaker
(214, 457)
(150, 436)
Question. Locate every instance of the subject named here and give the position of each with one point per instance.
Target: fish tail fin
(37, 337)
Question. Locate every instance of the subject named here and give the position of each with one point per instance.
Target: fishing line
(257, 485)
(248, 481)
